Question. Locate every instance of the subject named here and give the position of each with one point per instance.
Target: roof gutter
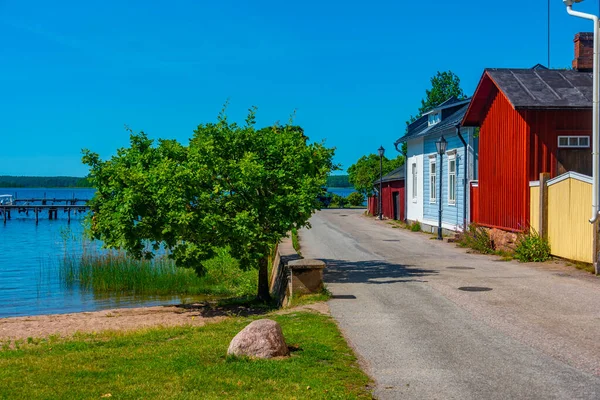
(595, 139)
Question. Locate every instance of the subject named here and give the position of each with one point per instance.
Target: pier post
(49, 214)
(37, 211)
(4, 213)
(68, 216)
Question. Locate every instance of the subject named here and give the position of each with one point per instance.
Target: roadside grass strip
(186, 363)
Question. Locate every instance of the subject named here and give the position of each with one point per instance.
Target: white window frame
(579, 140)
(452, 158)
(434, 118)
(432, 180)
(415, 180)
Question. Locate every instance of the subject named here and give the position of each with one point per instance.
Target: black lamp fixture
(440, 145)
(381, 152)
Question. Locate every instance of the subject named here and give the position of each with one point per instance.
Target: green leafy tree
(232, 186)
(355, 199)
(365, 171)
(443, 86)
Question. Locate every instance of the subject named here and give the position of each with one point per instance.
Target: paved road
(535, 335)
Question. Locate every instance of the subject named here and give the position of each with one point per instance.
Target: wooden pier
(51, 207)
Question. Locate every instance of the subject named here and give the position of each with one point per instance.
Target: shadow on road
(375, 272)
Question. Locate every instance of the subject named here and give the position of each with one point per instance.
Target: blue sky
(72, 74)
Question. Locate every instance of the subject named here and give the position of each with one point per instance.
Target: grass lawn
(185, 363)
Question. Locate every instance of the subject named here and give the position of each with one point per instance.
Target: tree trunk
(263, 280)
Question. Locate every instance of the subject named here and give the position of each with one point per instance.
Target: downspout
(465, 180)
(595, 177)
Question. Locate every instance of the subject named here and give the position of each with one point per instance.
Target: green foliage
(337, 201)
(324, 198)
(531, 247)
(232, 185)
(295, 240)
(415, 226)
(186, 362)
(355, 199)
(7, 181)
(338, 181)
(443, 86)
(364, 174)
(478, 239)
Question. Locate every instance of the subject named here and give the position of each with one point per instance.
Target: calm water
(29, 255)
(29, 261)
(344, 192)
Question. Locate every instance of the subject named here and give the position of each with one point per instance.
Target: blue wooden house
(459, 167)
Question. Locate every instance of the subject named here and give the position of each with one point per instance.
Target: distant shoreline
(47, 182)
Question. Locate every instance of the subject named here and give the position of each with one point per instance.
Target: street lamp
(381, 151)
(440, 145)
(595, 108)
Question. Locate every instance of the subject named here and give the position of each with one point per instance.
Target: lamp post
(440, 145)
(381, 151)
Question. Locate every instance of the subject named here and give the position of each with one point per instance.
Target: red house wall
(503, 167)
(546, 126)
(372, 205)
(514, 148)
(474, 203)
(388, 188)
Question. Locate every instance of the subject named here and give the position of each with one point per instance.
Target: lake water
(29, 262)
(344, 192)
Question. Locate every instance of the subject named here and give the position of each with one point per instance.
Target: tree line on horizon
(8, 181)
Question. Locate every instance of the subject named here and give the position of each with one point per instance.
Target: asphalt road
(534, 335)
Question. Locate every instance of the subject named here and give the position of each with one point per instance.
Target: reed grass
(86, 266)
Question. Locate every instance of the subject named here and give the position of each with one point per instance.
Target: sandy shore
(124, 319)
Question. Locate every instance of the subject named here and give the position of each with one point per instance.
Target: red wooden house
(392, 200)
(531, 121)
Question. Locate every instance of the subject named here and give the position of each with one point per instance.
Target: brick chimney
(584, 52)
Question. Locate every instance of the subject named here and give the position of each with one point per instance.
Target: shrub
(355, 199)
(478, 239)
(415, 226)
(324, 198)
(531, 247)
(337, 201)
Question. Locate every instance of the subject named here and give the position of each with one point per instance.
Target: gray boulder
(260, 339)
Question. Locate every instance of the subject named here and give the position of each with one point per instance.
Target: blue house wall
(452, 214)
(420, 139)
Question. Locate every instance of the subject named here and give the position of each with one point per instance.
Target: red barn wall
(474, 203)
(546, 126)
(503, 166)
(388, 188)
(372, 205)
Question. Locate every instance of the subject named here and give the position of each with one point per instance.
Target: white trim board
(570, 174)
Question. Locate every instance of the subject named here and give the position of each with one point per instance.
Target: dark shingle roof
(395, 175)
(420, 128)
(539, 66)
(544, 89)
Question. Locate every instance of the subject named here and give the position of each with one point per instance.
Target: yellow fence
(534, 204)
(569, 202)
